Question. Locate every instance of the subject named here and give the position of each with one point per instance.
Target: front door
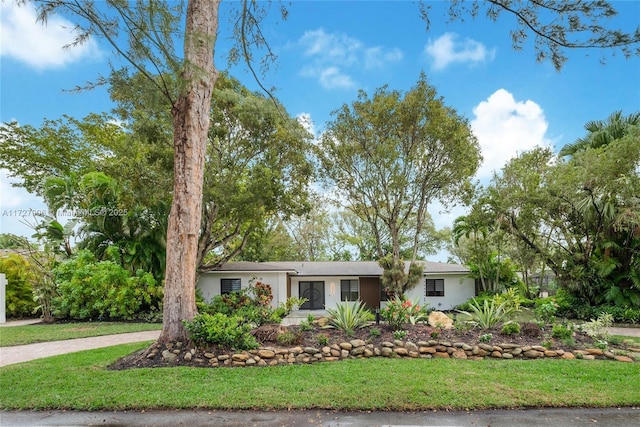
(314, 292)
(370, 291)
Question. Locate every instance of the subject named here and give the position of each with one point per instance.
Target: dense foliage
(92, 289)
(19, 291)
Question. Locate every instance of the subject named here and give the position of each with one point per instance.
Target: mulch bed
(531, 335)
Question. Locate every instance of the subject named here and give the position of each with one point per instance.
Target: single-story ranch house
(325, 283)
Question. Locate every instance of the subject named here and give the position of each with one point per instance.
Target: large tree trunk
(191, 114)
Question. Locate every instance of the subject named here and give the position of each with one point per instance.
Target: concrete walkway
(24, 353)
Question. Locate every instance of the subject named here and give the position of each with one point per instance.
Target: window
(349, 290)
(435, 287)
(229, 285)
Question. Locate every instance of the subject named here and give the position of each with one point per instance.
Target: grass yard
(80, 381)
(41, 332)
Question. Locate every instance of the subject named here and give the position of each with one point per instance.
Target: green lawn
(80, 381)
(41, 332)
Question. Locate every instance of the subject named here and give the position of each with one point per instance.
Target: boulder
(438, 319)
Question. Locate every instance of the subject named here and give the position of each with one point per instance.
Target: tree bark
(191, 115)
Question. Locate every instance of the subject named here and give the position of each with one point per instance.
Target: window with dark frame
(349, 290)
(435, 287)
(229, 285)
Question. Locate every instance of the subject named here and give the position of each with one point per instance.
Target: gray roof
(335, 268)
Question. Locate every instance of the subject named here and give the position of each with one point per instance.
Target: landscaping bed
(316, 342)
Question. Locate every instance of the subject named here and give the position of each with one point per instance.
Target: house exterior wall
(457, 289)
(209, 283)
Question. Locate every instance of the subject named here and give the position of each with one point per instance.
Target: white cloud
(17, 207)
(506, 127)
(334, 56)
(446, 50)
(40, 47)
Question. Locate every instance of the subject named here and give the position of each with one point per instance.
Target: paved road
(607, 417)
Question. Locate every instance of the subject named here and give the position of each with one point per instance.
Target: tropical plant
(19, 291)
(401, 311)
(511, 328)
(349, 316)
(488, 314)
(220, 329)
(597, 328)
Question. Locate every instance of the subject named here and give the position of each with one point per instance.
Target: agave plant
(349, 315)
(489, 313)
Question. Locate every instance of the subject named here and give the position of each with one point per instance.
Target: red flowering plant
(401, 311)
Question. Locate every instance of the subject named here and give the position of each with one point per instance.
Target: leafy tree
(580, 216)
(390, 156)
(149, 29)
(19, 291)
(601, 133)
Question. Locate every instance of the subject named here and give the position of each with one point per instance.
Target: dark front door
(314, 292)
(370, 291)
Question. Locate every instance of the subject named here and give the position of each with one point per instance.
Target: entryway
(314, 292)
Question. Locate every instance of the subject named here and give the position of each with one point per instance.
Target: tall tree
(391, 155)
(603, 132)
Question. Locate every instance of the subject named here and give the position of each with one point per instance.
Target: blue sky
(327, 51)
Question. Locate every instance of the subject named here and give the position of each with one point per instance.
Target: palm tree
(602, 133)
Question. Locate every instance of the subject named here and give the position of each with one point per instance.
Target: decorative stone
(368, 353)
(263, 363)
(609, 355)
(507, 356)
(188, 356)
(427, 350)
(496, 354)
(438, 319)
(398, 343)
(414, 354)
(550, 353)
(357, 343)
(387, 344)
(344, 354)
(169, 356)
(240, 357)
(594, 351)
(459, 354)
(346, 346)
(335, 353)
(326, 350)
(386, 351)
(441, 355)
(266, 354)
(401, 351)
(251, 362)
(516, 351)
(411, 346)
(466, 347)
(533, 354)
(311, 350)
(623, 358)
(568, 356)
(358, 351)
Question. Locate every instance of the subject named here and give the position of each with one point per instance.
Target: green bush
(561, 332)
(220, 329)
(511, 328)
(347, 316)
(92, 289)
(546, 309)
(252, 303)
(19, 291)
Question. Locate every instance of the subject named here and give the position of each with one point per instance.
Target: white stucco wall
(209, 283)
(457, 289)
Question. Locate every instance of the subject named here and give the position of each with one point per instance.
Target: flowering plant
(400, 311)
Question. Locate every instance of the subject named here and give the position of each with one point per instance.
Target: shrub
(252, 303)
(374, 332)
(323, 339)
(597, 329)
(347, 316)
(289, 338)
(92, 289)
(511, 328)
(220, 329)
(485, 337)
(546, 310)
(489, 313)
(19, 292)
(400, 311)
(561, 332)
(399, 334)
